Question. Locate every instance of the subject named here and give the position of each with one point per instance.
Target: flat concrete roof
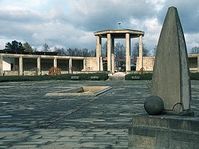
(193, 55)
(42, 56)
(119, 33)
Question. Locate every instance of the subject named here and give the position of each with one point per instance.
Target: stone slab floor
(29, 119)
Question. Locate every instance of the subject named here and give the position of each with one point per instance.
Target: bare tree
(119, 51)
(194, 50)
(60, 51)
(46, 47)
(135, 52)
(27, 47)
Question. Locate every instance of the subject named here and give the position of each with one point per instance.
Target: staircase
(117, 76)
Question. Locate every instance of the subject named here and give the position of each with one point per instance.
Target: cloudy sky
(71, 23)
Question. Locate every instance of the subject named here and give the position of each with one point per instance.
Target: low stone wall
(164, 132)
(91, 64)
(148, 63)
(10, 73)
(30, 73)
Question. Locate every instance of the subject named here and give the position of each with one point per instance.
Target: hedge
(80, 76)
(89, 76)
(83, 76)
(148, 76)
(194, 76)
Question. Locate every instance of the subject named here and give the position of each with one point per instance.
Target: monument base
(164, 132)
(183, 113)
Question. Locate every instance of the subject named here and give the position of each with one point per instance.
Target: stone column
(38, 65)
(101, 64)
(112, 57)
(21, 66)
(70, 65)
(1, 65)
(84, 64)
(128, 53)
(98, 51)
(109, 40)
(140, 52)
(55, 63)
(198, 63)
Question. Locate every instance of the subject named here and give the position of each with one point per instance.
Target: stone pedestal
(164, 132)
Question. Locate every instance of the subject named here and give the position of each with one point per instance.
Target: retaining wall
(164, 132)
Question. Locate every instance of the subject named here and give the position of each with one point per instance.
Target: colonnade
(110, 36)
(38, 60)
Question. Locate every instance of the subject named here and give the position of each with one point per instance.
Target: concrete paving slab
(29, 119)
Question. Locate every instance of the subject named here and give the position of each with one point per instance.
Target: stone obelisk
(171, 74)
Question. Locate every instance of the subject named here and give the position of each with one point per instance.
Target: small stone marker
(94, 78)
(171, 74)
(136, 77)
(74, 77)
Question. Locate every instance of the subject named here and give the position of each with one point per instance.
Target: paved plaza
(30, 119)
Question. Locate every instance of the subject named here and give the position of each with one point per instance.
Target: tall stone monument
(170, 93)
(171, 74)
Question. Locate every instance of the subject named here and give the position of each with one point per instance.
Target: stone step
(117, 76)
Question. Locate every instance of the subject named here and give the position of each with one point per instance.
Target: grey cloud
(21, 16)
(75, 27)
(188, 12)
(19, 24)
(103, 14)
(14, 31)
